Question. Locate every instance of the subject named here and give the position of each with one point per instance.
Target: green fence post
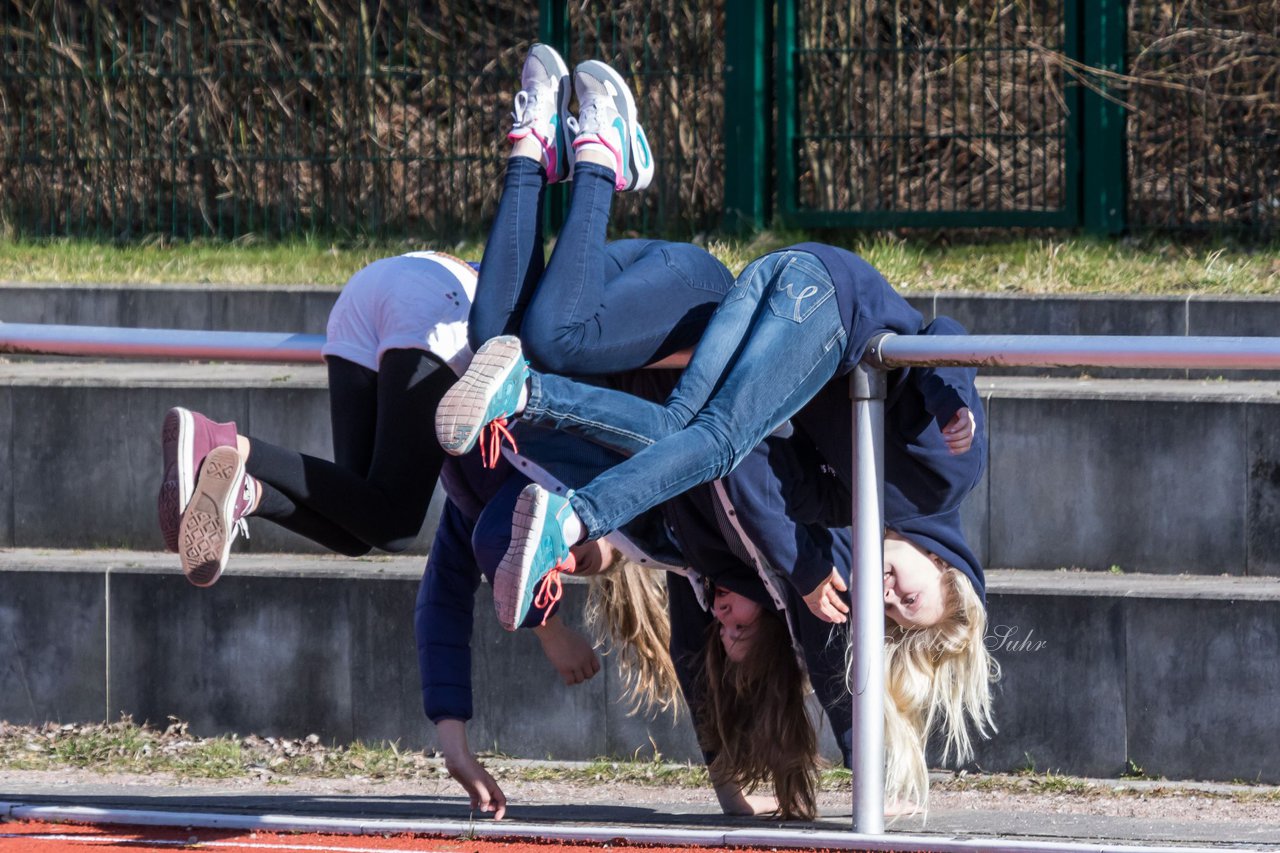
(1104, 176)
(784, 90)
(553, 30)
(748, 45)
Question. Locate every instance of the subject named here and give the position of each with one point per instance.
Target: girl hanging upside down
(600, 308)
(396, 341)
(777, 350)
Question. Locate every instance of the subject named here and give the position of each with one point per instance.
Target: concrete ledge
(293, 308)
(1179, 675)
(304, 308)
(1152, 476)
(84, 442)
(284, 644)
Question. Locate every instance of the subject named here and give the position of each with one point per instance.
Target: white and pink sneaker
(607, 118)
(541, 109)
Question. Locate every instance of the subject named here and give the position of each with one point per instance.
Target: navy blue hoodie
(446, 597)
(924, 483)
(737, 530)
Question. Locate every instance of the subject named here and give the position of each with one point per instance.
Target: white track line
(776, 838)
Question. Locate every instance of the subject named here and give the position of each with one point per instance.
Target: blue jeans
(591, 309)
(775, 341)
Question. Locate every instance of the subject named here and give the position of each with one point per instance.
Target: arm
(443, 619)
(443, 623)
(948, 391)
(783, 502)
(462, 765)
(569, 652)
(824, 658)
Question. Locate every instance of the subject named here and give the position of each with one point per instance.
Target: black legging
(386, 459)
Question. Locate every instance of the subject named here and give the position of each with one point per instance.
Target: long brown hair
(627, 611)
(754, 719)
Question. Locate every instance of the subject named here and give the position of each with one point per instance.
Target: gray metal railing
(868, 384)
(183, 344)
(867, 390)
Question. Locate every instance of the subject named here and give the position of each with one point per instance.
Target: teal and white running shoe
(528, 575)
(607, 116)
(542, 107)
(487, 394)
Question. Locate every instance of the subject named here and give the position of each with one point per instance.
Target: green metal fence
(673, 52)
(1204, 107)
(122, 120)
(925, 114)
(1101, 114)
(276, 117)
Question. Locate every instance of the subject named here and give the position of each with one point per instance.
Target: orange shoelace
(491, 436)
(551, 587)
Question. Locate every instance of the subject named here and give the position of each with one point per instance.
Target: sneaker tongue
(590, 119)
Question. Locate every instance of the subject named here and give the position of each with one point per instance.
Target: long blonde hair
(936, 678)
(627, 612)
(754, 719)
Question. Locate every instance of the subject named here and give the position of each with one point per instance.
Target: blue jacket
(472, 536)
(924, 483)
(712, 537)
(740, 533)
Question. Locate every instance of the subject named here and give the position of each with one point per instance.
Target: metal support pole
(866, 622)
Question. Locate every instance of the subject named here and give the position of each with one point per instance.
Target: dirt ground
(1012, 794)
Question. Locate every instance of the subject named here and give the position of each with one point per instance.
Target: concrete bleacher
(1130, 524)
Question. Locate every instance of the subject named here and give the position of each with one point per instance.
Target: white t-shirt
(416, 301)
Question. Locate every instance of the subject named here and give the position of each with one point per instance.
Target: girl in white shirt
(396, 341)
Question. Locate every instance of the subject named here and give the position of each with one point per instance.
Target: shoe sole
(459, 413)
(625, 104)
(207, 528)
(176, 437)
(555, 65)
(512, 576)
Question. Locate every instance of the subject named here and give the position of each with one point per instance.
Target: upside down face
(738, 617)
(914, 596)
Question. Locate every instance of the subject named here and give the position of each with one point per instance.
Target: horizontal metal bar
(112, 342)
(1168, 351)
(887, 351)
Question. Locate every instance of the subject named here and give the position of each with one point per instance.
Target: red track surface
(31, 837)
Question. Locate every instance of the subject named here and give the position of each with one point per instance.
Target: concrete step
(1036, 314)
(285, 308)
(1147, 475)
(1151, 476)
(1178, 675)
(304, 309)
(80, 441)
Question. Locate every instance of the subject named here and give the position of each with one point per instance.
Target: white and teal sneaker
(529, 573)
(607, 116)
(541, 108)
(488, 393)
